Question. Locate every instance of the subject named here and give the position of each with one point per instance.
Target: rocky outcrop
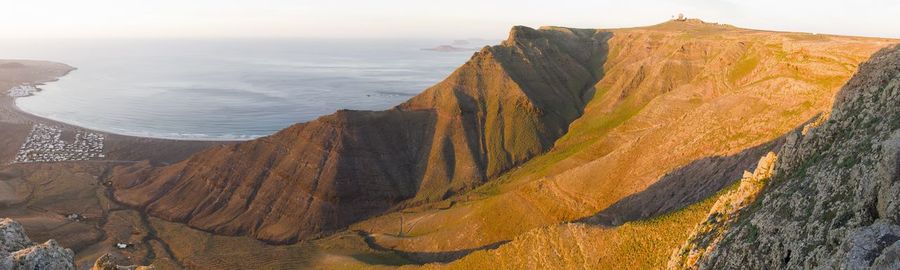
(17, 252)
(505, 105)
(834, 200)
(12, 236)
(670, 124)
(105, 262)
(722, 215)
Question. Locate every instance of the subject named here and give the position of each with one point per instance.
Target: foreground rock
(105, 262)
(834, 200)
(723, 214)
(18, 252)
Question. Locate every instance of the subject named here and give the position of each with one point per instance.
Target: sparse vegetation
(753, 233)
(743, 68)
(652, 113)
(635, 245)
(675, 99)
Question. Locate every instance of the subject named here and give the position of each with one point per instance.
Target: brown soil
(42, 195)
(554, 125)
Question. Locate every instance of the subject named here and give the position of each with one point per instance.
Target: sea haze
(226, 89)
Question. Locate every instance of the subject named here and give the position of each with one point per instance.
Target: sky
(420, 18)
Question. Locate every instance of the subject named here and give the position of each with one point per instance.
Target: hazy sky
(421, 18)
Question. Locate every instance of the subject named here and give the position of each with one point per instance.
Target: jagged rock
(48, 255)
(17, 252)
(865, 244)
(12, 236)
(833, 200)
(707, 235)
(105, 262)
(641, 138)
(889, 259)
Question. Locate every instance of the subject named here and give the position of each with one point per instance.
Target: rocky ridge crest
(834, 199)
(722, 215)
(505, 105)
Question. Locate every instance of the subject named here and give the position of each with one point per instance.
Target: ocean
(226, 89)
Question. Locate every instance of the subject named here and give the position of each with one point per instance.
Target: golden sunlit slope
(685, 105)
(505, 105)
(634, 245)
(833, 200)
(673, 114)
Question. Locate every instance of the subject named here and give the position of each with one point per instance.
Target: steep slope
(723, 214)
(683, 105)
(644, 244)
(834, 200)
(502, 107)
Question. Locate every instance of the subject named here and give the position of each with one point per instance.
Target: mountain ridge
(690, 99)
(671, 99)
(448, 139)
(833, 200)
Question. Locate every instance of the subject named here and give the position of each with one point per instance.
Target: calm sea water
(225, 89)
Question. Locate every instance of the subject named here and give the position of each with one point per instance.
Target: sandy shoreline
(14, 107)
(29, 115)
(43, 195)
(15, 123)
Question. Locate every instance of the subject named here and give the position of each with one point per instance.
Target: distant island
(449, 48)
(463, 45)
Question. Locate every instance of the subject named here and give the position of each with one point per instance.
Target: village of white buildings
(45, 144)
(22, 91)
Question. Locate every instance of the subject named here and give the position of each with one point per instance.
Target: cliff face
(723, 239)
(667, 121)
(834, 200)
(682, 110)
(505, 105)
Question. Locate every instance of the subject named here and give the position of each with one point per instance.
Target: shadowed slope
(684, 186)
(505, 105)
(834, 199)
(671, 94)
(830, 201)
(509, 103)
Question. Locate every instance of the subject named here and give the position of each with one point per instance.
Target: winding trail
(145, 221)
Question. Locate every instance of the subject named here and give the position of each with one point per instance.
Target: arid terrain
(67, 200)
(679, 145)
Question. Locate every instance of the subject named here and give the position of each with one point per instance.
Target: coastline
(45, 193)
(13, 106)
(15, 123)
(56, 122)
